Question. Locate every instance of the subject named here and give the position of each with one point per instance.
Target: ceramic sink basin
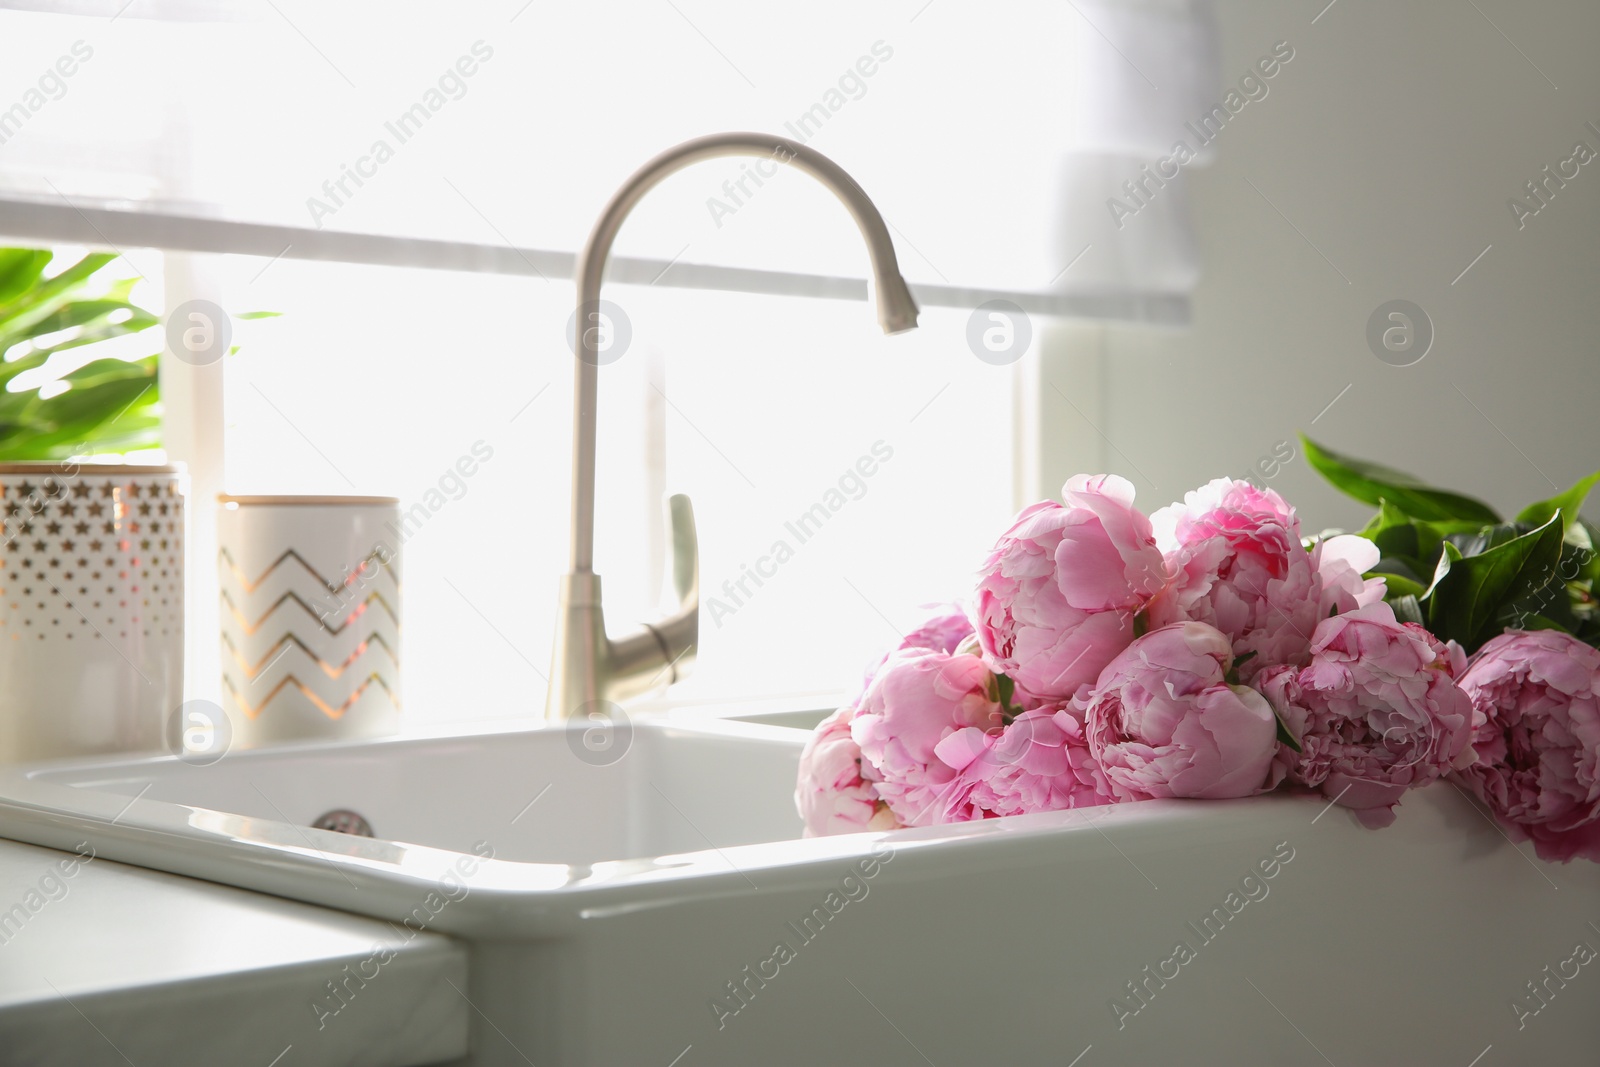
(535, 796)
(646, 899)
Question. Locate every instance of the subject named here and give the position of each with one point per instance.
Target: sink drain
(342, 821)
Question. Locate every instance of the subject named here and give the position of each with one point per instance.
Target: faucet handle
(685, 552)
(680, 631)
(660, 653)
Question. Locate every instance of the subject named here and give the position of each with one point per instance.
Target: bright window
(376, 381)
(841, 479)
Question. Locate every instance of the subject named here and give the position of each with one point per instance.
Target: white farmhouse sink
(633, 912)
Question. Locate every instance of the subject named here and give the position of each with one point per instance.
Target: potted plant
(104, 404)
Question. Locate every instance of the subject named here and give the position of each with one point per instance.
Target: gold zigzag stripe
(355, 613)
(322, 706)
(376, 555)
(290, 639)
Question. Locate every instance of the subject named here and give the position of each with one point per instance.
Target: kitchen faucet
(589, 669)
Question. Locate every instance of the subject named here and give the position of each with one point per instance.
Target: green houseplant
(107, 404)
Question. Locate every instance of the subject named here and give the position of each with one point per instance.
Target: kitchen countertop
(103, 963)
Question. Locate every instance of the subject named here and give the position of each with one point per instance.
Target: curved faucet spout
(897, 310)
(588, 666)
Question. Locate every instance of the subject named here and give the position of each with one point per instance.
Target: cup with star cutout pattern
(91, 607)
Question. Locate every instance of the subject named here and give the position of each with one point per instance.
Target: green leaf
(1563, 596)
(101, 371)
(1448, 558)
(1585, 536)
(109, 405)
(1284, 736)
(50, 293)
(1566, 503)
(1405, 568)
(95, 320)
(1470, 592)
(1231, 675)
(1479, 541)
(1398, 585)
(20, 269)
(82, 312)
(28, 362)
(1372, 483)
(112, 415)
(1407, 609)
(258, 314)
(1388, 517)
(1402, 541)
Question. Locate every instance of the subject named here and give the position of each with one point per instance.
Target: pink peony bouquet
(1212, 651)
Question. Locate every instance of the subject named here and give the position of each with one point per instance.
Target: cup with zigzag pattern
(309, 591)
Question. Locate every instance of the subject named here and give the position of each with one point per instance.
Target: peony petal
(962, 747)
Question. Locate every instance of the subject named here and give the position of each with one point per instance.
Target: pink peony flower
(832, 796)
(1378, 711)
(1340, 563)
(1536, 742)
(919, 698)
(1237, 564)
(1040, 762)
(1058, 594)
(941, 632)
(1163, 720)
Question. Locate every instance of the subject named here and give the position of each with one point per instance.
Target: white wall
(1392, 141)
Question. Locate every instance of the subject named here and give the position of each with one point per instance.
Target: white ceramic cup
(310, 609)
(91, 607)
